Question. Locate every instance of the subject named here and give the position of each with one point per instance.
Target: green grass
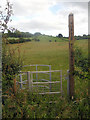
(49, 53)
(45, 53)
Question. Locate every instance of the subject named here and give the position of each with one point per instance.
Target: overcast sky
(49, 17)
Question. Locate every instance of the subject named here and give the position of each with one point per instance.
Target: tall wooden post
(71, 55)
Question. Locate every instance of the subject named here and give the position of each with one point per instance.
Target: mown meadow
(56, 54)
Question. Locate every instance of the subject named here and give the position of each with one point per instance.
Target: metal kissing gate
(40, 83)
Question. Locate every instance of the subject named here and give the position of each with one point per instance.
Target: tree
(60, 35)
(84, 35)
(37, 34)
(5, 16)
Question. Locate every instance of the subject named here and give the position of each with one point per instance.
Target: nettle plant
(11, 62)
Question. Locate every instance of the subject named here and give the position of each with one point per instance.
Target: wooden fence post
(36, 73)
(67, 78)
(50, 77)
(61, 82)
(88, 46)
(71, 55)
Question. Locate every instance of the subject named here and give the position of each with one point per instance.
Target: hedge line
(20, 40)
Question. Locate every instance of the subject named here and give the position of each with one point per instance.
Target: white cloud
(29, 7)
(36, 15)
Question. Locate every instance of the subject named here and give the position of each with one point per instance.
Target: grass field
(49, 53)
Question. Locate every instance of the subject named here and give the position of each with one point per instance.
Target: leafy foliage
(17, 34)
(81, 64)
(27, 105)
(11, 65)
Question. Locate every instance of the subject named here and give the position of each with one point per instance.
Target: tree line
(18, 34)
(84, 36)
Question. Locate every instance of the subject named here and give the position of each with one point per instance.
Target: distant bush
(13, 41)
(82, 37)
(50, 40)
(60, 35)
(27, 40)
(37, 34)
(36, 40)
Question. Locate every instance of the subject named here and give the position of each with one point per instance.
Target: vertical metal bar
(61, 81)
(36, 73)
(50, 76)
(71, 55)
(31, 82)
(28, 78)
(21, 85)
(68, 82)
